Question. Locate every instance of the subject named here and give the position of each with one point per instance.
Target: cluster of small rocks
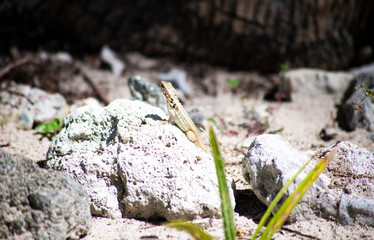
(121, 161)
(24, 107)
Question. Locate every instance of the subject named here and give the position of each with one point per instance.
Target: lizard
(180, 116)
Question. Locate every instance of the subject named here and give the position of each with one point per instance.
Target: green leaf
(226, 208)
(232, 83)
(214, 122)
(193, 229)
(50, 129)
(276, 131)
(284, 67)
(56, 124)
(369, 91)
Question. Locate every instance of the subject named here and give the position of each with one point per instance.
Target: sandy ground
(301, 121)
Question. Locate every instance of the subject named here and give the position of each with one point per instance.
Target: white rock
(64, 57)
(93, 102)
(111, 58)
(363, 69)
(313, 82)
(24, 106)
(133, 166)
(270, 163)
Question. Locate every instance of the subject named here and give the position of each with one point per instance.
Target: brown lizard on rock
(180, 116)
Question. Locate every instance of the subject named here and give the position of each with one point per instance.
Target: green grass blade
(195, 230)
(276, 200)
(290, 203)
(226, 208)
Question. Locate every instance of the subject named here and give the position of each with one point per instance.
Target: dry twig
(12, 65)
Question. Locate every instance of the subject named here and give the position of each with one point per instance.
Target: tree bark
(245, 34)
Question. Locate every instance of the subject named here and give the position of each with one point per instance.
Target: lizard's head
(167, 88)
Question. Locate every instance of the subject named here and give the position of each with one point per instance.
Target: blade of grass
(290, 203)
(226, 208)
(193, 229)
(276, 200)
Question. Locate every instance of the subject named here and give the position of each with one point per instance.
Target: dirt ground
(299, 121)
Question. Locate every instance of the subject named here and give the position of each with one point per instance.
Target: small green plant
(283, 88)
(226, 209)
(285, 210)
(284, 68)
(276, 131)
(193, 229)
(368, 93)
(50, 129)
(212, 120)
(231, 83)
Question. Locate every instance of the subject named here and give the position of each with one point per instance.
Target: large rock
(348, 118)
(315, 83)
(40, 204)
(345, 191)
(134, 166)
(24, 106)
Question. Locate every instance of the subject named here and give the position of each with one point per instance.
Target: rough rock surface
(40, 204)
(349, 119)
(345, 191)
(25, 106)
(351, 184)
(134, 166)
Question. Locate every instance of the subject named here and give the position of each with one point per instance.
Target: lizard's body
(180, 116)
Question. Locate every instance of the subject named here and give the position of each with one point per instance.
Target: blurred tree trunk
(246, 34)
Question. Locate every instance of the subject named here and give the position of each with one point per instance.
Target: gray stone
(145, 91)
(363, 69)
(134, 166)
(112, 59)
(269, 164)
(40, 204)
(24, 106)
(197, 117)
(345, 191)
(348, 118)
(179, 78)
(351, 184)
(313, 82)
